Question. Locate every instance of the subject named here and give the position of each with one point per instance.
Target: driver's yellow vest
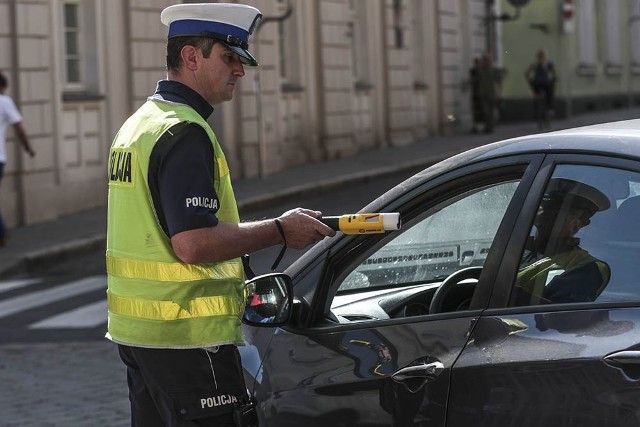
(154, 299)
(534, 277)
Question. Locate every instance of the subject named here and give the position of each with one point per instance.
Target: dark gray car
(510, 296)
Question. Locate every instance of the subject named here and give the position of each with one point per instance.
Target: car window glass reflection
(403, 275)
(582, 244)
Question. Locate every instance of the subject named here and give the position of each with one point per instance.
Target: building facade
(336, 77)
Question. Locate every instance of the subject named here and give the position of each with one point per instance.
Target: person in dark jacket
(541, 76)
(554, 268)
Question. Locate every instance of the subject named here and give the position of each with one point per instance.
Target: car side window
(584, 242)
(400, 278)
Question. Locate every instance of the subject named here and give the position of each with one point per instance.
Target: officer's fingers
(324, 230)
(311, 213)
(302, 211)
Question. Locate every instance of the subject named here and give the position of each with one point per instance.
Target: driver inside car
(554, 268)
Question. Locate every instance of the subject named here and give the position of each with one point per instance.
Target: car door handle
(623, 358)
(429, 371)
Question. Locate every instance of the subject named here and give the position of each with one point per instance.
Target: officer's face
(218, 74)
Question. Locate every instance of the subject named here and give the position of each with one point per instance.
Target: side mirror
(269, 300)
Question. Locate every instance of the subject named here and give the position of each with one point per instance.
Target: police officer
(174, 240)
(554, 268)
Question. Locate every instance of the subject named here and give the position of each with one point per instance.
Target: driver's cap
(577, 193)
(229, 23)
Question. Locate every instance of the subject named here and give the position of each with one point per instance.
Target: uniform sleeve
(581, 284)
(181, 181)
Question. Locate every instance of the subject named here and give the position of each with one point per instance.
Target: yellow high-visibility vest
(154, 299)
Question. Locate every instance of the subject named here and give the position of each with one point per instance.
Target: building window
(634, 34)
(358, 30)
(79, 47)
(288, 37)
(612, 37)
(72, 37)
(398, 31)
(587, 41)
(418, 30)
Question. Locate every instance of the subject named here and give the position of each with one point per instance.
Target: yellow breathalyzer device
(364, 223)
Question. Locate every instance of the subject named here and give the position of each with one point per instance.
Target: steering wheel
(449, 284)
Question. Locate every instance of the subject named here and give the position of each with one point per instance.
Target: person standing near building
(174, 241)
(541, 76)
(489, 80)
(9, 115)
(476, 102)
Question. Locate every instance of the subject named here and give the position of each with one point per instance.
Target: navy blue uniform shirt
(181, 167)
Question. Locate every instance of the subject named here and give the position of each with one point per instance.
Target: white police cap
(565, 188)
(229, 23)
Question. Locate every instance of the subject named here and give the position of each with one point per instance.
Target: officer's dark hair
(175, 45)
(3, 80)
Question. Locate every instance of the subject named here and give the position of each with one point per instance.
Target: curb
(43, 258)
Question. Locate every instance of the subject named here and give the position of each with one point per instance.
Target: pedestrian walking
(9, 115)
(174, 240)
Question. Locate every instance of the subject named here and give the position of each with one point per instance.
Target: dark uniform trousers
(183, 388)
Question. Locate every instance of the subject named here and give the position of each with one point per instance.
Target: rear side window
(584, 243)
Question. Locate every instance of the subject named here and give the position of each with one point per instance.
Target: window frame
(505, 278)
(613, 37)
(360, 35)
(346, 256)
(89, 55)
(78, 57)
(288, 44)
(587, 38)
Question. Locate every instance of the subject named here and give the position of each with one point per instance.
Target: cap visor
(245, 57)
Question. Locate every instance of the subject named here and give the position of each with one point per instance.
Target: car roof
(617, 139)
(620, 138)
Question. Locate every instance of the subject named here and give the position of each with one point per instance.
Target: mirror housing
(269, 300)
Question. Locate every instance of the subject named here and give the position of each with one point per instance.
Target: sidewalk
(44, 243)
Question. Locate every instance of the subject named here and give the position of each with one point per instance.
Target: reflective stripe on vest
(170, 272)
(219, 305)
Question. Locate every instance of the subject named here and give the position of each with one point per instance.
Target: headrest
(229, 23)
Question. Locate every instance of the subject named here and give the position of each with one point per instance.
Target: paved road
(48, 384)
(76, 380)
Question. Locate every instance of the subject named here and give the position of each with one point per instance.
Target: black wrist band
(284, 246)
(281, 230)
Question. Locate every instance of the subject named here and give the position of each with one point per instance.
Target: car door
(369, 349)
(570, 356)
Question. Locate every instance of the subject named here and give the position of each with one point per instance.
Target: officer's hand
(302, 228)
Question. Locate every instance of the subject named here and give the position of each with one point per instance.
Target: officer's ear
(189, 55)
